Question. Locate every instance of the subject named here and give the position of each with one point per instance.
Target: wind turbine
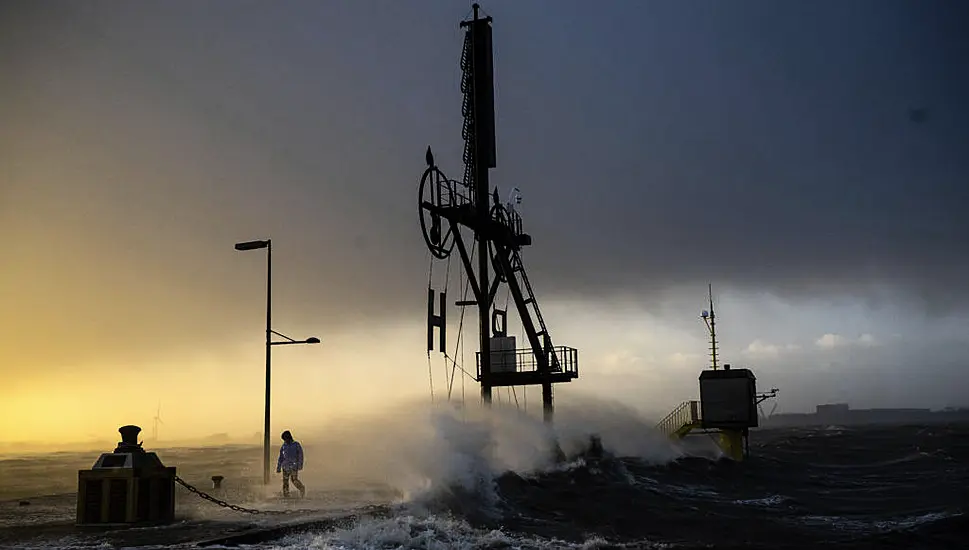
(156, 421)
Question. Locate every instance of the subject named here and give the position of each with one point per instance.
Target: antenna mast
(710, 319)
(447, 206)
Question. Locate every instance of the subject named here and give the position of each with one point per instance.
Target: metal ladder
(517, 266)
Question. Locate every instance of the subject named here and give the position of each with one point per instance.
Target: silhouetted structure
(728, 402)
(127, 486)
(268, 245)
(447, 206)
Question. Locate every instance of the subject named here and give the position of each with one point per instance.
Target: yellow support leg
(732, 444)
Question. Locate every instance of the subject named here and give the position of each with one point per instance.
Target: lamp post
(257, 245)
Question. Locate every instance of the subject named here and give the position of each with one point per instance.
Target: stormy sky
(808, 159)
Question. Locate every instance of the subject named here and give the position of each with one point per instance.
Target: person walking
(290, 463)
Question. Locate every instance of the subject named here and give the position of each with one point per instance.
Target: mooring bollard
(217, 482)
(127, 486)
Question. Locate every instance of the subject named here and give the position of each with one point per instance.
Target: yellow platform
(685, 418)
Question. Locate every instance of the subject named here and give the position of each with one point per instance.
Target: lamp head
(252, 245)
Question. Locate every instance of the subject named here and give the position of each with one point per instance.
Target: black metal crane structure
(450, 208)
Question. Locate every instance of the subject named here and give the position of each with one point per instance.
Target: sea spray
(423, 449)
(419, 448)
(622, 430)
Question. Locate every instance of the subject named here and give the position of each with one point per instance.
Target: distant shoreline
(26, 449)
(842, 415)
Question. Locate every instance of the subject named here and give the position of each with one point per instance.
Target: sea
(444, 477)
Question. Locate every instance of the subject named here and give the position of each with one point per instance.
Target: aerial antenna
(710, 320)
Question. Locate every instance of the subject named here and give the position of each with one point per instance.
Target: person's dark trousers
(294, 475)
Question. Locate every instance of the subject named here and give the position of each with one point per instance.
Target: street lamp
(310, 340)
(257, 245)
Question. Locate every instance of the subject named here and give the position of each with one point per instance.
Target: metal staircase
(518, 270)
(681, 420)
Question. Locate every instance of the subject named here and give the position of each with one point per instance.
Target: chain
(235, 507)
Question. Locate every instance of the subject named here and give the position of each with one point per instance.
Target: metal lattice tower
(448, 206)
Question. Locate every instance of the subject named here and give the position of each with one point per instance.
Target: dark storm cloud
(759, 144)
(768, 146)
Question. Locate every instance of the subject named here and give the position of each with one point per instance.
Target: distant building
(841, 414)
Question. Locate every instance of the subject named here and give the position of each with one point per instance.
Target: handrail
(686, 413)
(561, 359)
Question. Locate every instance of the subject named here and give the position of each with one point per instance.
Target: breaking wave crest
(434, 532)
(427, 452)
